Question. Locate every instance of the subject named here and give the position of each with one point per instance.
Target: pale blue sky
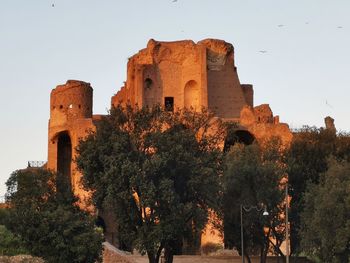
(307, 61)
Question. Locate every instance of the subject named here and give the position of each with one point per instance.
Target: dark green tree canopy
(252, 177)
(325, 220)
(157, 170)
(307, 159)
(48, 222)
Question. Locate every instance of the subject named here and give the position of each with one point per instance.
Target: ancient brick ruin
(174, 74)
(186, 74)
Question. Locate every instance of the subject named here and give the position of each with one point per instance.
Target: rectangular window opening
(169, 103)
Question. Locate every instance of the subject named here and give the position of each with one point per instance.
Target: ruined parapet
(121, 97)
(72, 100)
(329, 122)
(259, 114)
(2, 202)
(219, 53)
(248, 92)
(261, 123)
(226, 96)
(263, 114)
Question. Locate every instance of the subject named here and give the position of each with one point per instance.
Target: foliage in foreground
(307, 160)
(325, 221)
(21, 259)
(48, 222)
(4, 214)
(10, 245)
(252, 178)
(158, 171)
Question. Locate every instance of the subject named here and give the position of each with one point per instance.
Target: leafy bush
(325, 221)
(3, 215)
(49, 222)
(10, 245)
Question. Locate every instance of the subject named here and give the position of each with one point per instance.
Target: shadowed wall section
(64, 160)
(238, 136)
(192, 95)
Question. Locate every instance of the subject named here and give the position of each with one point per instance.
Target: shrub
(10, 245)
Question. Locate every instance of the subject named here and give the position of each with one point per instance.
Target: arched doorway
(64, 161)
(238, 136)
(191, 95)
(101, 223)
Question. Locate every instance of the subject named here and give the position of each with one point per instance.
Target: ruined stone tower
(70, 119)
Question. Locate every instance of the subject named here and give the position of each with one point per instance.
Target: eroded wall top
(186, 74)
(70, 101)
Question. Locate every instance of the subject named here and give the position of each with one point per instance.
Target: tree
(10, 245)
(252, 177)
(4, 214)
(325, 220)
(307, 160)
(48, 222)
(157, 170)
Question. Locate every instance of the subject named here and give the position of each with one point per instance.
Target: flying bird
(53, 5)
(262, 51)
(281, 25)
(340, 27)
(329, 104)
(174, 1)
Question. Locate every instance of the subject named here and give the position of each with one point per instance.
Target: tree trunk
(168, 257)
(278, 250)
(262, 254)
(151, 257)
(168, 254)
(265, 249)
(159, 252)
(247, 257)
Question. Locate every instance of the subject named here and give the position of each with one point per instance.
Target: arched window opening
(64, 160)
(191, 95)
(238, 136)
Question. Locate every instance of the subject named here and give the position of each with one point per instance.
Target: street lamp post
(248, 209)
(242, 246)
(287, 226)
